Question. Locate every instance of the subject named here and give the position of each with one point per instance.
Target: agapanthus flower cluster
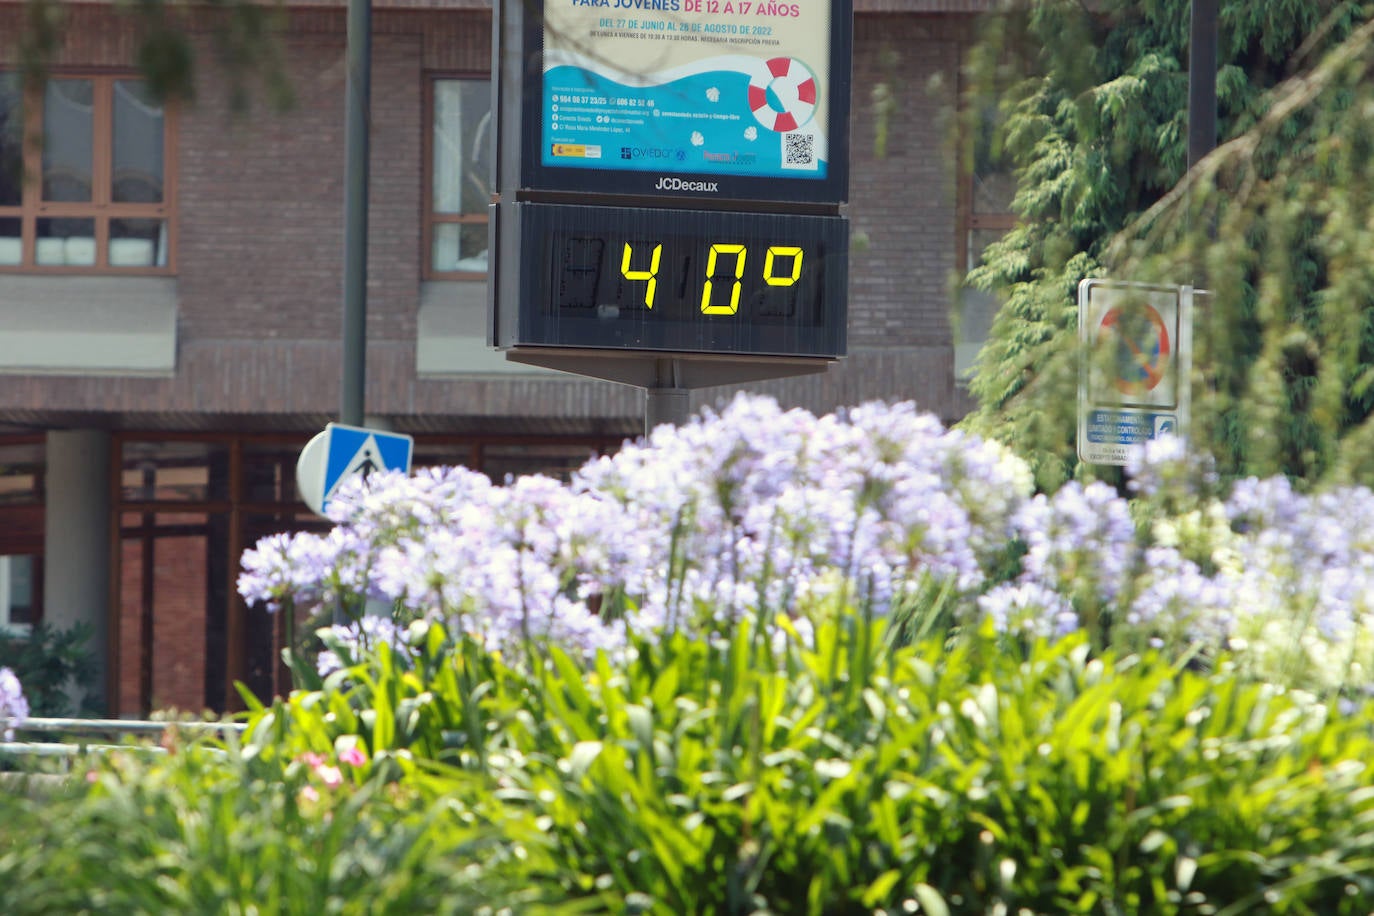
(14, 709)
(353, 639)
(1283, 579)
(1302, 573)
(750, 510)
(1167, 468)
(756, 510)
(1080, 542)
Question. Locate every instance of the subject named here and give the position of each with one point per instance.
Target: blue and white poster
(708, 87)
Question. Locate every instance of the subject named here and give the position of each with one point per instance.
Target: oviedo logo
(649, 152)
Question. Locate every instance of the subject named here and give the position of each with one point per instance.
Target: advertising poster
(704, 87)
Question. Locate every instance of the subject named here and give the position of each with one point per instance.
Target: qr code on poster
(798, 151)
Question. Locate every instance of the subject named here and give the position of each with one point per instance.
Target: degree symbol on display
(1139, 340)
(782, 94)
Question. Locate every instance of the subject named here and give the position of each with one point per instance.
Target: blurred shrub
(205, 831)
(53, 665)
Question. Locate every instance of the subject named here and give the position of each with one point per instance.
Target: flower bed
(776, 663)
(759, 510)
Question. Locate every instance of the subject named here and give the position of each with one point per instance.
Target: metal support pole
(1202, 139)
(356, 125)
(1202, 80)
(665, 401)
(665, 405)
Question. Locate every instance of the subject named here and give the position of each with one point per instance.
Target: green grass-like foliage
(210, 830)
(973, 776)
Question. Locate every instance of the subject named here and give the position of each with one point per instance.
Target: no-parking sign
(1136, 340)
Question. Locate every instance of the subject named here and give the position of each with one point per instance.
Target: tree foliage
(244, 38)
(1275, 222)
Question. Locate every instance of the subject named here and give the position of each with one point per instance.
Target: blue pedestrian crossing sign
(341, 452)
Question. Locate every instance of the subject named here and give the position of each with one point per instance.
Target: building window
(458, 187)
(22, 463)
(985, 215)
(18, 593)
(84, 176)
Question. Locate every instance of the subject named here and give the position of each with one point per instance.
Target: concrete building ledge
(451, 333)
(88, 325)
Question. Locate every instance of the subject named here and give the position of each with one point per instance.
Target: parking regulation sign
(1136, 341)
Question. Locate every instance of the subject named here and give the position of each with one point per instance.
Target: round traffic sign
(1140, 339)
(310, 468)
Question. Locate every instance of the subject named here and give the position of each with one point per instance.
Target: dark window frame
(969, 221)
(433, 218)
(101, 209)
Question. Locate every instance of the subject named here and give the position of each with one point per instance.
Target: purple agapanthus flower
(746, 509)
(359, 637)
(1028, 609)
(14, 709)
(754, 510)
(1081, 540)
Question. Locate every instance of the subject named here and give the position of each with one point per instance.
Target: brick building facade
(150, 417)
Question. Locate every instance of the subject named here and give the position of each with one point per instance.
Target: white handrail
(122, 726)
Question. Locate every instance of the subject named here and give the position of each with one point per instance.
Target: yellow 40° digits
(715, 274)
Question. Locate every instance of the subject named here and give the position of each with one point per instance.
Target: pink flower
(353, 756)
(310, 795)
(312, 760)
(330, 776)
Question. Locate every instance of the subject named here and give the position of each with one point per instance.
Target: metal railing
(75, 737)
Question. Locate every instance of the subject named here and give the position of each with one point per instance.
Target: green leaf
(879, 890)
(583, 755)
(930, 900)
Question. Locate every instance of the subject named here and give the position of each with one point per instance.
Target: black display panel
(680, 281)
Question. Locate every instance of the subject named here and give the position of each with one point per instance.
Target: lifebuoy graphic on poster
(698, 87)
(782, 95)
